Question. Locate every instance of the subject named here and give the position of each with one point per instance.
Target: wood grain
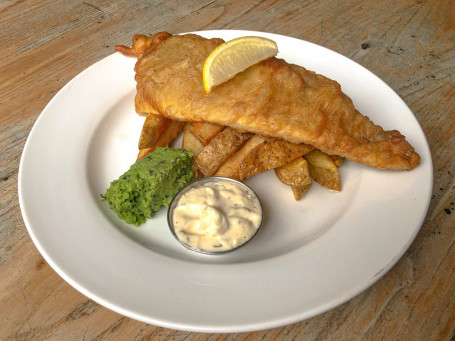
(408, 43)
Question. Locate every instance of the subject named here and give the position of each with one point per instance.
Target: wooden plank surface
(408, 43)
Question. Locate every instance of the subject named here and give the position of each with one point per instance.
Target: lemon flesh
(235, 56)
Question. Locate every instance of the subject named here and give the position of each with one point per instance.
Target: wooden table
(408, 43)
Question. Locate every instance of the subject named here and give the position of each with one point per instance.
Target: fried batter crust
(272, 98)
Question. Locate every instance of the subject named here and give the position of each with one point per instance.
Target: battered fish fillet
(272, 98)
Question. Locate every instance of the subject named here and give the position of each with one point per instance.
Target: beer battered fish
(272, 98)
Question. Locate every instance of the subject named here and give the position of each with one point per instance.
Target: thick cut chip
(294, 173)
(192, 144)
(269, 155)
(323, 170)
(223, 145)
(169, 134)
(205, 132)
(300, 191)
(230, 168)
(144, 152)
(152, 128)
(297, 175)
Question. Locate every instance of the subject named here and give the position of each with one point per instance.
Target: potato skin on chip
(323, 170)
(272, 154)
(218, 150)
(296, 175)
(230, 168)
(300, 191)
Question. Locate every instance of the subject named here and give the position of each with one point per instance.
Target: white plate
(309, 257)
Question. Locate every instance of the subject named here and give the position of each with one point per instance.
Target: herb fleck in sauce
(217, 216)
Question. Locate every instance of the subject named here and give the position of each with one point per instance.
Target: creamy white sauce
(217, 216)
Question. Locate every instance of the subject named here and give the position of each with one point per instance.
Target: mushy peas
(149, 184)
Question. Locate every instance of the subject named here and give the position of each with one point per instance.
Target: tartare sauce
(217, 216)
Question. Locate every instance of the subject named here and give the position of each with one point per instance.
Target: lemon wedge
(234, 56)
